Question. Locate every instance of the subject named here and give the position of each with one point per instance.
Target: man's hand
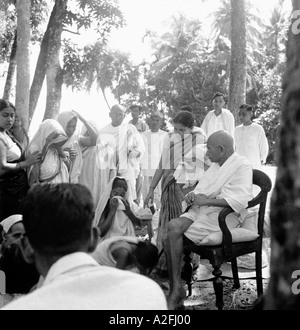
(190, 198)
(201, 200)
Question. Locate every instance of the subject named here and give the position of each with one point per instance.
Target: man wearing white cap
(20, 276)
(9, 222)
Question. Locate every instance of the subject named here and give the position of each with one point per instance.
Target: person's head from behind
(218, 101)
(220, 146)
(58, 222)
(12, 230)
(187, 108)
(117, 115)
(7, 115)
(184, 122)
(119, 188)
(246, 114)
(145, 255)
(155, 122)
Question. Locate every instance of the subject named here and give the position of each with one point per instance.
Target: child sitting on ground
(128, 253)
(113, 215)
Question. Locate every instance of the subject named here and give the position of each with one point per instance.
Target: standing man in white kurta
(154, 141)
(250, 138)
(128, 147)
(219, 118)
(141, 127)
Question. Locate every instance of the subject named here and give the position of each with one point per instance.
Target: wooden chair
(229, 251)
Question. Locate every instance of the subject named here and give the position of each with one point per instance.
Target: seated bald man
(228, 182)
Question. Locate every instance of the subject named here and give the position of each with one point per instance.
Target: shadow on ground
(203, 296)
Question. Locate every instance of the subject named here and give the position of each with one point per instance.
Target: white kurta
(232, 182)
(213, 123)
(78, 282)
(128, 146)
(251, 142)
(153, 149)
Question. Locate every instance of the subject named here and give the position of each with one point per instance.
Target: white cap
(10, 221)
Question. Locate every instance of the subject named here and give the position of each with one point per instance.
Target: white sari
(52, 168)
(96, 167)
(122, 225)
(73, 142)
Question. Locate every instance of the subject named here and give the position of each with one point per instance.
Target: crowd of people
(70, 201)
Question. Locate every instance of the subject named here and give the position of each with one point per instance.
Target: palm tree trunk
(283, 291)
(238, 67)
(11, 70)
(23, 61)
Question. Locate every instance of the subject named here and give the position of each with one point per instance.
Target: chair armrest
(227, 238)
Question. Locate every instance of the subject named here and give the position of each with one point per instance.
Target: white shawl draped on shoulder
(52, 167)
(232, 182)
(122, 225)
(73, 142)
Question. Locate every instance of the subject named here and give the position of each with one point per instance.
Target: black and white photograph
(150, 157)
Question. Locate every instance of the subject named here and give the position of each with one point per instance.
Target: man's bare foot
(176, 298)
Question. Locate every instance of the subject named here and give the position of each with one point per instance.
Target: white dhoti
(206, 223)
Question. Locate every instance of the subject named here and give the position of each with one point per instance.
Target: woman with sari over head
(182, 164)
(69, 121)
(13, 164)
(96, 164)
(55, 163)
(113, 215)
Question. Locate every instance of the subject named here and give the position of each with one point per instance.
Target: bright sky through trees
(141, 15)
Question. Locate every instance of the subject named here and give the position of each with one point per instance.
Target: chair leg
(188, 270)
(259, 283)
(235, 274)
(218, 286)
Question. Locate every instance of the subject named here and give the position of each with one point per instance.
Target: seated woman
(128, 253)
(68, 121)
(113, 215)
(20, 276)
(13, 164)
(55, 164)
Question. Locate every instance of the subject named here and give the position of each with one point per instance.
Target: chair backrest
(264, 183)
